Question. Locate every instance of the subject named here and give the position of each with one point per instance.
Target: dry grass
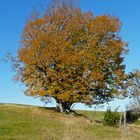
(34, 123)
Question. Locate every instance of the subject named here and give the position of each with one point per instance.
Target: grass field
(137, 123)
(19, 122)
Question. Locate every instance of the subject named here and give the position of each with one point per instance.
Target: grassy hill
(18, 122)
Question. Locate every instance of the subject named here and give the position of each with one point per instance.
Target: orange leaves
(68, 96)
(71, 55)
(103, 24)
(96, 76)
(64, 96)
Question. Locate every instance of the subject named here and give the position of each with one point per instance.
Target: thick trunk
(64, 107)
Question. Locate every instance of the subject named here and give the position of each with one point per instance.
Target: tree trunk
(64, 107)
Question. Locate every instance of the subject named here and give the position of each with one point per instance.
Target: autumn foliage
(71, 56)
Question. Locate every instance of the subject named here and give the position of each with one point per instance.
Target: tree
(71, 56)
(135, 90)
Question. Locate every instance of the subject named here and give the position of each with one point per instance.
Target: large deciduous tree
(71, 56)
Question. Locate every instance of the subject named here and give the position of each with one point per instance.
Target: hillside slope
(19, 122)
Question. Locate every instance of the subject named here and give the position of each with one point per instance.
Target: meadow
(19, 122)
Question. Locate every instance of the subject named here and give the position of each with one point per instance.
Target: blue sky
(14, 15)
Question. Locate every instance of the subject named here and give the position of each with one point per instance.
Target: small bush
(111, 118)
(132, 116)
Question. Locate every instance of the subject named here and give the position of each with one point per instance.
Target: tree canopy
(71, 56)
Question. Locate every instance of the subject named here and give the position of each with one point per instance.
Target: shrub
(132, 115)
(111, 118)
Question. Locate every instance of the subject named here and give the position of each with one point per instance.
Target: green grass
(93, 115)
(19, 122)
(137, 122)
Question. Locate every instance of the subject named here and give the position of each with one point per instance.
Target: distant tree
(135, 90)
(71, 56)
